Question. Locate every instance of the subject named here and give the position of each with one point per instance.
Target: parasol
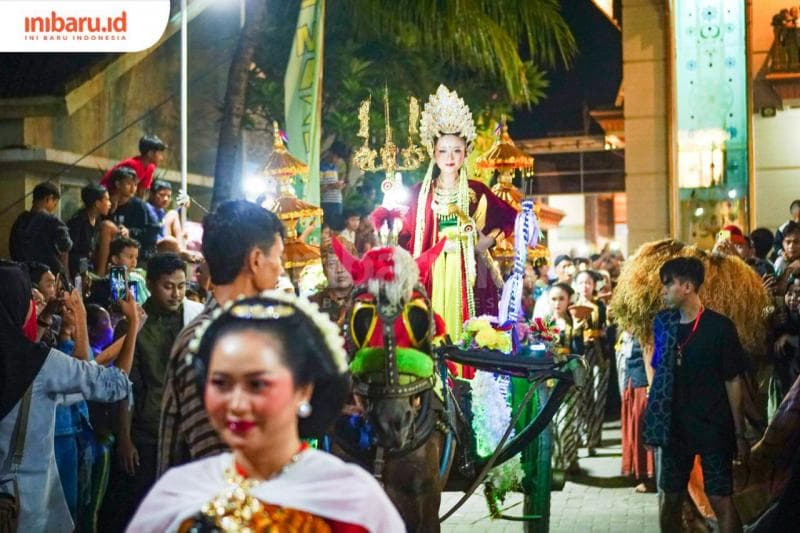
(506, 158)
(289, 208)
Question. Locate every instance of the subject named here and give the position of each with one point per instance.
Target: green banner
(303, 94)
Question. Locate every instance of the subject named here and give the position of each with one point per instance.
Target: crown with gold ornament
(445, 114)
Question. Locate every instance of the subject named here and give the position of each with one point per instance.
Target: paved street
(599, 500)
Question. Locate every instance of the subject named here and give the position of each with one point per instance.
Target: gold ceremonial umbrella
(280, 163)
(506, 158)
(290, 209)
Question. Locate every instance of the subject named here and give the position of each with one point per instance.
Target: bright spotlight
(253, 187)
(397, 195)
(732, 194)
(699, 212)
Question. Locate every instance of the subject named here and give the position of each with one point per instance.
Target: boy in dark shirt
(85, 225)
(707, 415)
(39, 235)
(129, 212)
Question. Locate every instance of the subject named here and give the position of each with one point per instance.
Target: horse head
(393, 420)
(389, 329)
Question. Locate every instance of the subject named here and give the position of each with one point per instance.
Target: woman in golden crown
(446, 204)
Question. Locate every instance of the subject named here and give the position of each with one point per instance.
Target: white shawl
(318, 483)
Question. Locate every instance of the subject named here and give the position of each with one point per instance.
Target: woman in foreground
(275, 373)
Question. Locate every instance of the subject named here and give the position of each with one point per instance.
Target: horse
(404, 423)
(398, 426)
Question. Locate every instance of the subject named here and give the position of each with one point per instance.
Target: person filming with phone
(137, 438)
(121, 269)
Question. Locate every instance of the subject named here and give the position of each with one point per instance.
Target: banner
(303, 94)
(81, 25)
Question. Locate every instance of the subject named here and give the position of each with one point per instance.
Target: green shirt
(153, 345)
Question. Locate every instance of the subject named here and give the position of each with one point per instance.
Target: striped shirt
(329, 176)
(185, 433)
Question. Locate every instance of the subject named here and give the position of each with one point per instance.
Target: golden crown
(445, 114)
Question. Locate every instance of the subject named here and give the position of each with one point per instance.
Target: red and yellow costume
(460, 285)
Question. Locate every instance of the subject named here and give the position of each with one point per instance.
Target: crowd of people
(104, 373)
(125, 356)
(720, 398)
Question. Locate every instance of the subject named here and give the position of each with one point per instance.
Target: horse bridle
(425, 422)
(387, 314)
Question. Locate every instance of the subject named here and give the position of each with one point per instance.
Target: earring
(304, 409)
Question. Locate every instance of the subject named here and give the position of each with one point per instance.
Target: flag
(303, 94)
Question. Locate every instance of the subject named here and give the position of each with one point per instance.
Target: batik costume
(595, 391)
(565, 425)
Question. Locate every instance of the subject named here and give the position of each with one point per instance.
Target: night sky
(593, 79)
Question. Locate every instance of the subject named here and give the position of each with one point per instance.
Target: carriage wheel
(535, 462)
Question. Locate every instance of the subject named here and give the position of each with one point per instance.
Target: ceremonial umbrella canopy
(289, 208)
(506, 158)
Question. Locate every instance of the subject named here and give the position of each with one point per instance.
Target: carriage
(416, 428)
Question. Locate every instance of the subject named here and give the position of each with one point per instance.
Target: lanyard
(683, 345)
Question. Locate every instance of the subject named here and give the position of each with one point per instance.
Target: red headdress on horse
(393, 279)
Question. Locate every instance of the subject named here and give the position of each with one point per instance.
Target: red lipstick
(240, 426)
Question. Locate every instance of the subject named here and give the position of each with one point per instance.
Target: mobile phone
(134, 287)
(62, 285)
(117, 280)
(79, 284)
(723, 235)
(83, 266)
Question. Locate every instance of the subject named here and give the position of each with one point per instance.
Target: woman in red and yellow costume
(275, 373)
(446, 204)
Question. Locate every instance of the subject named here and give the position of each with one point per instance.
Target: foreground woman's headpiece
(276, 305)
(445, 114)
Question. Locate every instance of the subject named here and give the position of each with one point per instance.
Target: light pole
(184, 106)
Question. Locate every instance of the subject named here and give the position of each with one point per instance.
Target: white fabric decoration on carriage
(491, 399)
(491, 408)
(526, 234)
(491, 416)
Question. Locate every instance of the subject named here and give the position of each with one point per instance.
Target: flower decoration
(479, 333)
(474, 325)
(545, 331)
(494, 340)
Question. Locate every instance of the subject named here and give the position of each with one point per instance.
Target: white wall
(571, 233)
(776, 152)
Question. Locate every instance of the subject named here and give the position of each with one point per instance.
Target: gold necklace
(234, 510)
(443, 199)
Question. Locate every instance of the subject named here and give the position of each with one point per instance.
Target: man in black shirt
(38, 235)
(85, 225)
(129, 211)
(707, 415)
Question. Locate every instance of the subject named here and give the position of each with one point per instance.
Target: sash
(658, 416)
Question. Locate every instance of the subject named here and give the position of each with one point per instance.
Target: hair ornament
(260, 311)
(289, 304)
(445, 114)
